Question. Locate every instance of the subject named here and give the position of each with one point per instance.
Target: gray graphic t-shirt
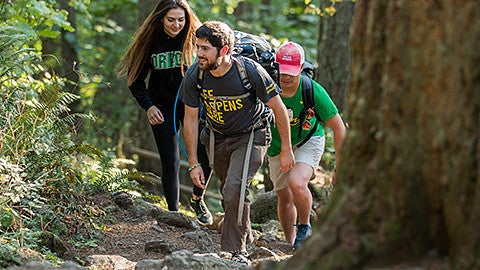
(227, 115)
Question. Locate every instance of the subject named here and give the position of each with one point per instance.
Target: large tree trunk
(409, 180)
(333, 51)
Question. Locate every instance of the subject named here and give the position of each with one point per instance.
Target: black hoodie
(165, 74)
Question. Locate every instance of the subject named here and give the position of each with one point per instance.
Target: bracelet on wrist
(194, 166)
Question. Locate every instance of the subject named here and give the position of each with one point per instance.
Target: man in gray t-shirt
(237, 136)
(237, 110)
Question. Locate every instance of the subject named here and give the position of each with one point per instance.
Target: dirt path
(125, 234)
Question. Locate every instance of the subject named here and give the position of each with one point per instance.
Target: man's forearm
(282, 121)
(339, 131)
(190, 133)
(287, 160)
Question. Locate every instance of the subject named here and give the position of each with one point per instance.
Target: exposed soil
(125, 234)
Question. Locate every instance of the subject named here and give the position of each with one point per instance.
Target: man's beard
(211, 65)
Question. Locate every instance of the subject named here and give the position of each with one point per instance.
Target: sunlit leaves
(42, 16)
(39, 8)
(329, 11)
(41, 166)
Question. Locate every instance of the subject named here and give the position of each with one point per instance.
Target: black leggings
(168, 150)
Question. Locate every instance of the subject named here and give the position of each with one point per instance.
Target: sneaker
(303, 232)
(204, 217)
(241, 257)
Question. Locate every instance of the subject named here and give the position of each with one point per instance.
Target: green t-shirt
(323, 106)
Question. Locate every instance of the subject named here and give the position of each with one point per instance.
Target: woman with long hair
(164, 46)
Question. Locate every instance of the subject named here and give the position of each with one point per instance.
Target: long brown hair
(139, 50)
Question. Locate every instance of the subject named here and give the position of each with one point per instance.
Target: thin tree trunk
(65, 57)
(69, 64)
(409, 181)
(333, 51)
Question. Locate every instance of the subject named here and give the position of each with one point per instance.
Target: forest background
(409, 175)
(68, 122)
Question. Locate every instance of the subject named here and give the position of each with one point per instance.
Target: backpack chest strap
(217, 98)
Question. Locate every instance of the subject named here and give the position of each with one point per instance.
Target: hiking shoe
(303, 232)
(204, 217)
(241, 257)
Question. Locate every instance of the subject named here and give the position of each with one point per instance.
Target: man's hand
(287, 160)
(198, 177)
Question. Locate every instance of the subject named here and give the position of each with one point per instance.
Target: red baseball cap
(290, 58)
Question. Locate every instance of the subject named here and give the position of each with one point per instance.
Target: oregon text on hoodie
(165, 74)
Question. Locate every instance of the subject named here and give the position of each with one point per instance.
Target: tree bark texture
(333, 51)
(408, 184)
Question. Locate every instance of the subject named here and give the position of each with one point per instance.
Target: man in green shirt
(294, 197)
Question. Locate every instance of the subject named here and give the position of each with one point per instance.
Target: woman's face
(174, 21)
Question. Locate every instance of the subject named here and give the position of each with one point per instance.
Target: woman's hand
(155, 116)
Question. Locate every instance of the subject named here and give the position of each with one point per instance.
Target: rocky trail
(140, 235)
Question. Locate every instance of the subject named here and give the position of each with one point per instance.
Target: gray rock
(201, 239)
(149, 265)
(34, 265)
(187, 260)
(264, 208)
(160, 246)
(263, 253)
(123, 200)
(176, 219)
(109, 262)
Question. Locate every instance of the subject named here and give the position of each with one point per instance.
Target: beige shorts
(310, 153)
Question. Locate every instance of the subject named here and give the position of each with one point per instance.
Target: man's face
(208, 56)
(289, 81)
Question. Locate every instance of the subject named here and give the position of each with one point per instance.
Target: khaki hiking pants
(228, 166)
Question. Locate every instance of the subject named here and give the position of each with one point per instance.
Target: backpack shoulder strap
(307, 92)
(240, 62)
(242, 70)
(244, 73)
(200, 79)
(308, 103)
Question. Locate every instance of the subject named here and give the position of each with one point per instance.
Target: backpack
(258, 49)
(308, 102)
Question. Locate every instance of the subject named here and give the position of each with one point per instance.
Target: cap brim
(290, 70)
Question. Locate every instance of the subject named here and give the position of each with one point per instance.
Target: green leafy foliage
(105, 28)
(51, 159)
(278, 21)
(101, 41)
(46, 175)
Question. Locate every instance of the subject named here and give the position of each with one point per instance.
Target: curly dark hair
(217, 33)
